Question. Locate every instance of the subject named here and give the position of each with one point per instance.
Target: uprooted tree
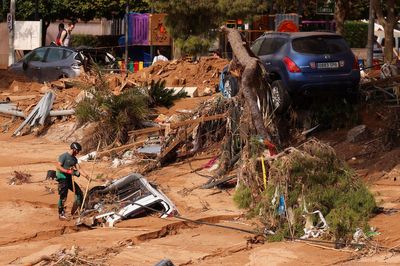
(292, 190)
(252, 121)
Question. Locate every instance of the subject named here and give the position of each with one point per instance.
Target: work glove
(76, 173)
(69, 171)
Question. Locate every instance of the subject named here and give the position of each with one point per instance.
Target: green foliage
(192, 23)
(244, 9)
(160, 96)
(356, 33)
(115, 114)
(75, 9)
(186, 17)
(94, 40)
(193, 45)
(86, 111)
(315, 179)
(242, 197)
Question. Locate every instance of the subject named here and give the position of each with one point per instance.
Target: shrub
(94, 40)
(356, 33)
(194, 45)
(115, 114)
(242, 197)
(160, 96)
(312, 178)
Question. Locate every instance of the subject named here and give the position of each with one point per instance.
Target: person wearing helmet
(67, 167)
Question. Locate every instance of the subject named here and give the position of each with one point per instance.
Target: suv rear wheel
(280, 96)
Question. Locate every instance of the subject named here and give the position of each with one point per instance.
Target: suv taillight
(290, 65)
(355, 64)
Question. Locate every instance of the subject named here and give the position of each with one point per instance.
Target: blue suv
(300, 62)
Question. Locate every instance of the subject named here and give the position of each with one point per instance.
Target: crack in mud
(173, 229)
(46, 235)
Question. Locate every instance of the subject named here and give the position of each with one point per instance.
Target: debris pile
(384, 87)
(20, 178)
(124, 198)
(307, 191)
(183, 73)
(68, 257)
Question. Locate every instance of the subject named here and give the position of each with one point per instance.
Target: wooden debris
(20, 178)
(177, 140)
(176, 125)
(220, 181)
(121, 148)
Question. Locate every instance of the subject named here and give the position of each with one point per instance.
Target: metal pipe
(370, 43)
(126, 35)
(11, 19)
(62, 112)
(12, 112)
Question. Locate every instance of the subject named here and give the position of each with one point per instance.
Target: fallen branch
(121, 148)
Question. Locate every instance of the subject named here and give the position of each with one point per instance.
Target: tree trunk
(250, 79)
(388, 52)
(45, 25)
(388, 21)
(340, 15)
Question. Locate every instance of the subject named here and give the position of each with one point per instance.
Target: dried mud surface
(30, 227)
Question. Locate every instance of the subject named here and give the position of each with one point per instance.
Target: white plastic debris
(358, 236)
(118, 162)
(88, 157)
(311, 230)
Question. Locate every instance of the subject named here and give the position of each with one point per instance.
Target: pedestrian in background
(159, 57)
(61, 29)
(66, 35)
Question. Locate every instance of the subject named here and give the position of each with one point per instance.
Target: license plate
(328, 65)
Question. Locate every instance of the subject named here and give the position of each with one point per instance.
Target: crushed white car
(128, 197)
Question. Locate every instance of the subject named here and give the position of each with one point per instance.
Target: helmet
(76, 146)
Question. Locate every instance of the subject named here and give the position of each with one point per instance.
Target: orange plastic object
(288, 26)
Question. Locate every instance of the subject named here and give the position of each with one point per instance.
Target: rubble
(20, 178)
(201, 74)
(39, 114)
(310, 177)
(122, 199)
(358, 133)
(68, 258)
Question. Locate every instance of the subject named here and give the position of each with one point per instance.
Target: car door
(53, 68)
(255, 47)
(33, 64)
(269, 55)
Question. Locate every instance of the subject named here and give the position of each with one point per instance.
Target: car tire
(280, 96)
(230, 88)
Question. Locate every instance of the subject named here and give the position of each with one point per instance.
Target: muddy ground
(30, 227)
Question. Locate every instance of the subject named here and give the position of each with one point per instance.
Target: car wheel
(280, 96)
(231, 87)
